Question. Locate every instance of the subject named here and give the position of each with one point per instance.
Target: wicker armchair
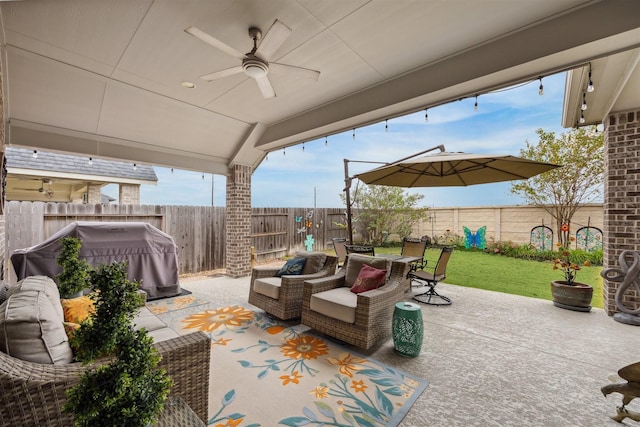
(282, 296)
(374, 308)
(32, 394)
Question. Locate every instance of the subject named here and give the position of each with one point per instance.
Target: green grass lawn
(509, 275)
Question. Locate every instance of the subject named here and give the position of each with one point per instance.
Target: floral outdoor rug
(265, 373)
(176, 303)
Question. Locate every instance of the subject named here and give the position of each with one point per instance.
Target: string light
(35, 154)
(171, 170)
(475, 106)
(584, 101)
(284, 151)
(582, 120)
(386, 125)
(354, 133)
(426, 115)
(202, 176)
(303, 146)
(590, 86)
(326, 140)
(541, 88)
(135, 167)
(90, 161)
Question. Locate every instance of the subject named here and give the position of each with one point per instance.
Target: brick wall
(622, 198)
(238, 221)
(129, 194)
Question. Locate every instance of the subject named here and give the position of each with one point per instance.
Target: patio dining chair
(340, 246)
(413, 247)
(361, 249)
(431, 279)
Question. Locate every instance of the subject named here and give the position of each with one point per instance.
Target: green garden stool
(408, 329)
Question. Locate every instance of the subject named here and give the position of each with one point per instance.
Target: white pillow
(32, 330)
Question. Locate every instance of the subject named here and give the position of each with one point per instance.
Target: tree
(561, 191)
(383, 210)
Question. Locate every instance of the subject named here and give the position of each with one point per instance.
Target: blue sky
(502, 124)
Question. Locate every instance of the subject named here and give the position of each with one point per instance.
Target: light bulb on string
(475, 106)
(541, 88)
(354, 133)
(584, 101)
(386, 125)
(582, 120)
(590, 86)
(135, 167)
(35, 154)
(90, 161)
(202, 176)
(303, 146)
(171, 170)
(326, 140)
(284, 151)
(426, 115)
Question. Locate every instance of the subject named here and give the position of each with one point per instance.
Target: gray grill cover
(152, 255)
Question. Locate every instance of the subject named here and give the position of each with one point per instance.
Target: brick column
(129, 194)
(94, 196)
(238, 221)
(621, 198)
(3, 237)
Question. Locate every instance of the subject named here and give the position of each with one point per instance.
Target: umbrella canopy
(454, 169)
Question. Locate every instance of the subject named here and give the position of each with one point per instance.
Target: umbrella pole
(347, 189)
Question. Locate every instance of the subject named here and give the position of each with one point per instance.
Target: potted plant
(568, 293)
(75, 275)
(130, 389)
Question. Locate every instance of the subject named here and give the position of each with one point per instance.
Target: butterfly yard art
(475, 240)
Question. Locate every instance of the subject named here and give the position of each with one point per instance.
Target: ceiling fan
(255, 64)
(48, 193)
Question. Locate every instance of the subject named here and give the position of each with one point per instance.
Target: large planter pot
(575, 297)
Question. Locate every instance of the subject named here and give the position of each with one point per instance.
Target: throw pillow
(355, 263)
(369, 278)
(31, 330)
(315, 261)
(292, 267)
(76, 310)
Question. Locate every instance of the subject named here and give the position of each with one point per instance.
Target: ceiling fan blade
(201, 35)
(273, 39)
(223, 73)
(304, 73)
(265, 87)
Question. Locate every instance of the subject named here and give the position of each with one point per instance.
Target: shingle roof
(48, 161)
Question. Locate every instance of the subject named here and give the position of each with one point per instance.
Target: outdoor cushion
(369, 278)
(31, 329)
(355, 262)
(268, 286)
(76, 310)
(315, 261)
(41, 284)
(339, 303)
(292, 267)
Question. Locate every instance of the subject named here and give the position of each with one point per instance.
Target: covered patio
(495, 359)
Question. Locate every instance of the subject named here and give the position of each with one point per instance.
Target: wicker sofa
(33, 394)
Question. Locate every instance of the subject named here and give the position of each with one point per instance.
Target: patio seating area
(496, 359)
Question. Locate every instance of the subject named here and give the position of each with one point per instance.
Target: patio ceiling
(103, 78)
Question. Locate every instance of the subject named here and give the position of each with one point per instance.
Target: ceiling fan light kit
(255, 64)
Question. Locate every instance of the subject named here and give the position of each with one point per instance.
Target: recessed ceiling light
(189, 85)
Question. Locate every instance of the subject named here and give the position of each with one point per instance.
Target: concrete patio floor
(496, 359)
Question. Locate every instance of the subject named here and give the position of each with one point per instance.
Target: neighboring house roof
(21, 161)
(105, 199)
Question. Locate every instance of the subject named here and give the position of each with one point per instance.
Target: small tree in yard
(384, 210)
(561, 191)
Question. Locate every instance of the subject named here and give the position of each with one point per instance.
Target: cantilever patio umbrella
(447, 169)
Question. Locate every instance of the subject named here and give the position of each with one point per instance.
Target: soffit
(103, 78)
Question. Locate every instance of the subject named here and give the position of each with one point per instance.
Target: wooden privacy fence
(199, 231)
